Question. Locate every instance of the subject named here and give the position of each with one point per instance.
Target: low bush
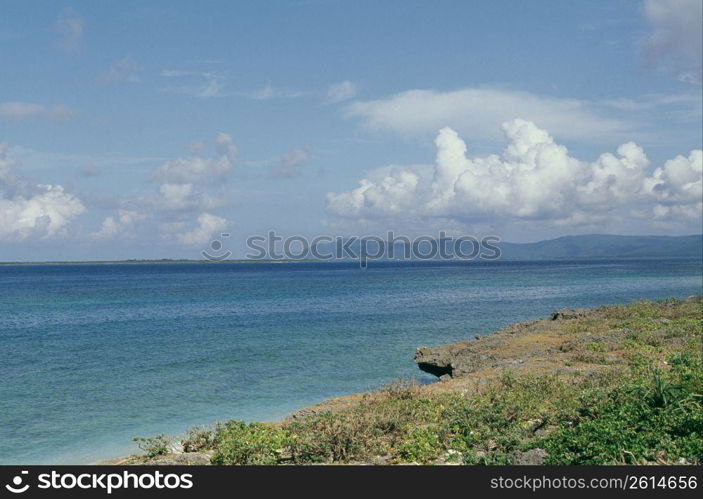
(237, 442)
(154, 446)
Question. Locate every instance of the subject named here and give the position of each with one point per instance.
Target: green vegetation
(629, 391)
(237, 442)
(154, 446)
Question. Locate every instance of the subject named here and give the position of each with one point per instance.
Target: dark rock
(435, 361)
(565, 314)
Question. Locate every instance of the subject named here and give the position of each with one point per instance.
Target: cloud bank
(478, 112)
(675, 42)
(533, 179)
(188, 189)
(27, 210)
(21, 111)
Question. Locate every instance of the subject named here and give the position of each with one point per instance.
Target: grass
(635, 398)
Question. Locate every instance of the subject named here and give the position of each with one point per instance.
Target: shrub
(153, 446)
(649, 420)
(422, 445)
(237, 442)
(198, 439)
(330, 437)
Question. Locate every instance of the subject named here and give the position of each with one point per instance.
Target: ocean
(92, 355)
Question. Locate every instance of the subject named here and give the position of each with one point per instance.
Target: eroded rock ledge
(513, 345)
(535, 346)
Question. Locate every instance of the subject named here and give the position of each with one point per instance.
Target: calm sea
(93, 355)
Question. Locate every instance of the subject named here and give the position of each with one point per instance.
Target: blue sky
(143, 129)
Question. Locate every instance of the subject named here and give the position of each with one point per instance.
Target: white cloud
(121, 225)
(478, 112)
(208, 224)
(32, 210)
(203, 84)
(176, 196)
(70, 28)
(174, 73)
(339, 92)
(678, 182)
(20, 111)
(207, 84)
(187, 189)
(199, 168)
(534, 179)
(675, 42)
(195, 183)
(291, 163)
(269, 92)
(212, 88)
(125, 69)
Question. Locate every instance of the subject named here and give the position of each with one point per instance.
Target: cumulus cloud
(339, 92)
(188, 188)
(291, 163)
(125, 69)
(121, 225)
(192, 184)
(675, 42)
(533, 179)
(207, 225)
(70, 29)
(478, 112)
(199, 168)
(21, 111)
(26, 209)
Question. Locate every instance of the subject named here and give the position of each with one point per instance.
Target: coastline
(571, 344)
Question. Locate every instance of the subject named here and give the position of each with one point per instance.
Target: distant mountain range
(561, 248)
(606, 246)
(566, 247)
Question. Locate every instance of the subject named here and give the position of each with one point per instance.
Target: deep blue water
(92, 355)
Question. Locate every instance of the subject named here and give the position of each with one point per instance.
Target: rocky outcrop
(435, 361)
(534, 346)
(536, 339)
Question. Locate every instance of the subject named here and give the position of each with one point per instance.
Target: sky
(147, 129)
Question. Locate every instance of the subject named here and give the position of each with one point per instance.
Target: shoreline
(559, 345)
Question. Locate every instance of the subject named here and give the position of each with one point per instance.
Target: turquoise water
(92, 355)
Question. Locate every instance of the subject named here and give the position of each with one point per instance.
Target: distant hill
(567, 247)
(606, 246)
